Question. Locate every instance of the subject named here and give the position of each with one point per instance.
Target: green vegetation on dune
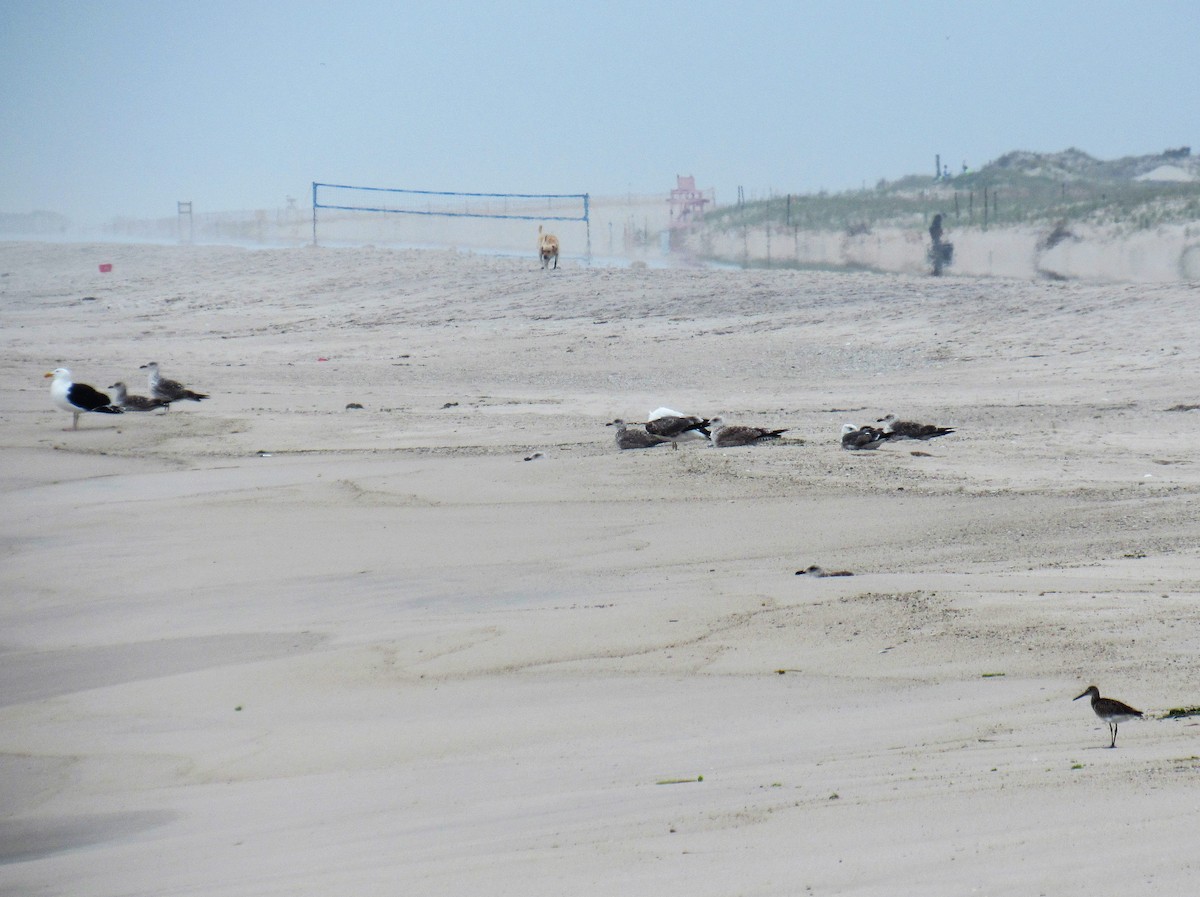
(1016, 189)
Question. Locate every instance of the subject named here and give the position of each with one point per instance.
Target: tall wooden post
(587, 219)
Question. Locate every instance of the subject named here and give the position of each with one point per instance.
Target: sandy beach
(269, 644)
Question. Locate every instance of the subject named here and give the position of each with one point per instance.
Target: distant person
(939, 252)
(935, 230)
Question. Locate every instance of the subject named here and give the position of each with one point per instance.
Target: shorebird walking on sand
(1111, 711)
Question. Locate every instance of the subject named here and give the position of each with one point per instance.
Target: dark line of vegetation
(1179, 712)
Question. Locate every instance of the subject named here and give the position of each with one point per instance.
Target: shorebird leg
(75, 421)
(1114, 735)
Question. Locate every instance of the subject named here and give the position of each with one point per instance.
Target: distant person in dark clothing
(939, 252)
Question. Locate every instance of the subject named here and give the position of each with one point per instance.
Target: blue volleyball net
(345, 209)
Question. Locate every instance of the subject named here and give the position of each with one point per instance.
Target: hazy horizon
(120, 109)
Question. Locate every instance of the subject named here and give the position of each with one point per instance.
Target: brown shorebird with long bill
(1110, 710)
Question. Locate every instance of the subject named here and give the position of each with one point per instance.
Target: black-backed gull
(855, 438)
(676, 426)
(78, 397)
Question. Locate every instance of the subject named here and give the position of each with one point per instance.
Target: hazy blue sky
(121, 108)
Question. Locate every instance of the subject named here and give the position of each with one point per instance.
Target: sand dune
(275, 645)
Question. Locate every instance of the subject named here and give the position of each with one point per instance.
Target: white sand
(267, 645)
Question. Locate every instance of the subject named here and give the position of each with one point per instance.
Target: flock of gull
(662, 426)
(80, 398)
(665, 425)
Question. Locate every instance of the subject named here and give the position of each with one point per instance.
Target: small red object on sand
(105, 268)
(322, 359)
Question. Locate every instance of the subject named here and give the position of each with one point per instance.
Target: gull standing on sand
(635, 439)
(858, 439)
(78, 397)
(908, 429)
(169, 390)
(676, 426)
(1110, 710)
(123, 400)
(726, 435)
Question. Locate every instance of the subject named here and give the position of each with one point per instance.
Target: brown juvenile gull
(126, 402)
(726, 435)
(861, 438)
(78, 397)
(169, 390)
(675, 426)
(1110, 710)
(908, 429)
(635, 439)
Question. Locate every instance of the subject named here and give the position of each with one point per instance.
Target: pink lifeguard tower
(687, 202)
